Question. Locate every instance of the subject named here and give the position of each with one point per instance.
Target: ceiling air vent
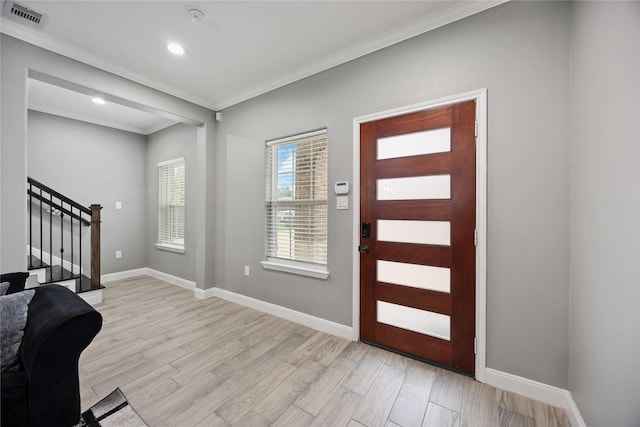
(23, 14)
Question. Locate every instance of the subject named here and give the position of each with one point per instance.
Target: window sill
(297, 268)
(170, 248)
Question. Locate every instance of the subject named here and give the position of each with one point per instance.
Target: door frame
(480, 96)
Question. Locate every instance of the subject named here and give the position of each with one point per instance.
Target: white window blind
(296, 198)
(171, 209)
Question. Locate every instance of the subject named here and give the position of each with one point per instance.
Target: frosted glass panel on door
(414, 275)
(414, 144)
(414, 188)
(421, 321)
(421, 232)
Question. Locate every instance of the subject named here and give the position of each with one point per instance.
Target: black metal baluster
(41, 236)
(71, 221)
(51, 234)
(80, 244)
(30, 226)
(61, 240)
(48, 196)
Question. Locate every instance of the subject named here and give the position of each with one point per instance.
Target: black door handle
(363, 249)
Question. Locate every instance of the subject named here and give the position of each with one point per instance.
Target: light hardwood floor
(188, 362)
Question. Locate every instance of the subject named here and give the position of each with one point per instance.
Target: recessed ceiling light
(175, 48)
(98, 100)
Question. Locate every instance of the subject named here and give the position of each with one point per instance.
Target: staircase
(64, 238)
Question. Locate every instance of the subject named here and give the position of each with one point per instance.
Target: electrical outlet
(247, 270)
(118, 205)
(118, 254)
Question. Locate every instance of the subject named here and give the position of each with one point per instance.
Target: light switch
(118, 205)
(342, 202)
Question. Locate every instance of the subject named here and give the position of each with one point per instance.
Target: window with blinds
(171, 206)
(296, 199)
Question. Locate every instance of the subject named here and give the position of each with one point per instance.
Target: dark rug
(112, 411)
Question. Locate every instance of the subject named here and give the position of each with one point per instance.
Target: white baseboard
(534, 390)
(145, 271)
(276, 310)
(308, 320)
(120, 275)
(174, 280)
(207, 293)
(574, 413)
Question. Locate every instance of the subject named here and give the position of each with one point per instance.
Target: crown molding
(413, 29)
(37, 38)
(459, 11)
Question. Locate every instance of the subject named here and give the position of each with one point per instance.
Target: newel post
(95, 246)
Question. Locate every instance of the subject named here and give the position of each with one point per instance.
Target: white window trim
(318, 271)
(296, 137)
(169, 246)
(171, 162)
(296, 267)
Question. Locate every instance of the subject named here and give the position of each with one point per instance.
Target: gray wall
(17, 60)
(96, 164)
(519, 52)
(604, 363)
(176, 141)
(543, 176)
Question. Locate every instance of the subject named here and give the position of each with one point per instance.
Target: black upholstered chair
(16, 281)
(45, 390)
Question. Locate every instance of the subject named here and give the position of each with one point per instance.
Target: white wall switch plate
(118, 205)
(342, 202)
(118, 254)
(247, 270)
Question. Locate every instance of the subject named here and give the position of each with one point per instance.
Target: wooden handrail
(58, 207)
(57, 195)
(93, 211)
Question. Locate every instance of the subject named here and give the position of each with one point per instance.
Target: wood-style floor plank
(293, 416)
(509, 419)
(187, 362)
(277, 401)
(440, 416)
(411, 403)
(377, 403)
(237, 406)
(448, 390)
(360, 378)
(339, 408)
(318, 393)
(479, 408)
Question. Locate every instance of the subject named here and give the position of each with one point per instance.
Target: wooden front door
(417, 243)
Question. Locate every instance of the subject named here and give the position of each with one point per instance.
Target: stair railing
(50, 203)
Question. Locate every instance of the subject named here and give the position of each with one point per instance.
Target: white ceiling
(52, 99)
(242, 49)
